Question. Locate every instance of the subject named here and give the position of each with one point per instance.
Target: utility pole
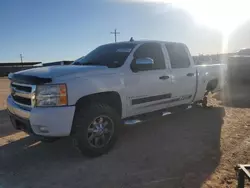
(115, 33)
(21, 57)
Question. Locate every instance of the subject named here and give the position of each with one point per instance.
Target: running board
(148, 117)
(132, 121)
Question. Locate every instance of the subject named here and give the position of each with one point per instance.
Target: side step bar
(148, 116)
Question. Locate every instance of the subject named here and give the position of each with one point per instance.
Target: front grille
(21, 87)
(22, 100)
(23, 94)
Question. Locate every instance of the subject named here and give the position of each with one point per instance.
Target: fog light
(43, 129)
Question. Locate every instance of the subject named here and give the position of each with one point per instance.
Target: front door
(150, 88)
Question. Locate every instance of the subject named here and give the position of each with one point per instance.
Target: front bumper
(20, 123)
(51, 121)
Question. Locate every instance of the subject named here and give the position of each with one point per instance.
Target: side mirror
(142, 64)
(144, 61)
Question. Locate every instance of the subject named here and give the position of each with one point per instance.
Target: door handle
(190, 74)
(164, 77)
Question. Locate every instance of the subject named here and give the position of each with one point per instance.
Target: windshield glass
(110, 55)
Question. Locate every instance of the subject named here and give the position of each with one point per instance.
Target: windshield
(110, 55)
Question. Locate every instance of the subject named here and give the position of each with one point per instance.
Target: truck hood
(46, 74)
(56, 71)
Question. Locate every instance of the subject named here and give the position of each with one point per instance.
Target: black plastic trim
(151, 98)
(27, 79)
(24, 126)
(185, 97)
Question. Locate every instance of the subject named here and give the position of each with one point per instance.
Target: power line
(115, 33)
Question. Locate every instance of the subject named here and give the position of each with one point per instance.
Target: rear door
(183, 73)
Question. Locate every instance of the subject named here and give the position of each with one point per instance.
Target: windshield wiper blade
(90, 63)
(94, 63)
(77, 63)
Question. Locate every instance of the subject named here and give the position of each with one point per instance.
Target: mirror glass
(144, 61)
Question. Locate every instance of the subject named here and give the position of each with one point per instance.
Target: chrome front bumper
(16, 110)
(51, 121)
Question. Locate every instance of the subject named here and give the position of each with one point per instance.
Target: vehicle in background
(114, 84)
(53, 63)
(239, 66)
(208, 59)
(203, 60)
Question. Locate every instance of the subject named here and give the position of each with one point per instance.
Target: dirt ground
(196, 148)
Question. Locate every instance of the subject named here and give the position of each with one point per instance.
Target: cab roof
(145, 41)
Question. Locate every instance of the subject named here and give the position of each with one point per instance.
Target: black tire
(84, 118)
(204, 102)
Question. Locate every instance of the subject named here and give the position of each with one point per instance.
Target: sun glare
(218, 14)
(223, 15)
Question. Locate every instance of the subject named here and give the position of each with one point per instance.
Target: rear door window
(179, 58)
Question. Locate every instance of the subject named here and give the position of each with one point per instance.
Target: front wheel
(96, 129)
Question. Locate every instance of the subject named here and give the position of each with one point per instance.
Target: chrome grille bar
(21, 96)
(23, 105)
(20, 93)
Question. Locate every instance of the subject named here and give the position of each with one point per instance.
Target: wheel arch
(212, 84)
(111, 98)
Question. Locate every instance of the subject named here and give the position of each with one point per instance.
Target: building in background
(6, 68)
(53, 63)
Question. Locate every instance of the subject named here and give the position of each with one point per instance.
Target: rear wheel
(204, 102)
(96, 129)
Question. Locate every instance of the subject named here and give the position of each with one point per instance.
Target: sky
(53, 30)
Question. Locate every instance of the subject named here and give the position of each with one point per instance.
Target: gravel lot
(196, 148)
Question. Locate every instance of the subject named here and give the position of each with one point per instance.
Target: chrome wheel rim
(100, 131)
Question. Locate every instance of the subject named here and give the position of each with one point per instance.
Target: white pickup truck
(121, 81)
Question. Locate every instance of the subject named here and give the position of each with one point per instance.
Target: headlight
(51, 95)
